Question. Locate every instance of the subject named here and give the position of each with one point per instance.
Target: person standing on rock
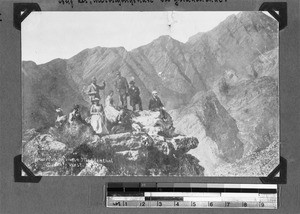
(98, 118)
(122, 87)
(155, 103)
(134, 94)
(94, 89)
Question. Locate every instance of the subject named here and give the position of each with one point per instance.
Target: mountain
(221, 86)
(45, 88)
(233, 45)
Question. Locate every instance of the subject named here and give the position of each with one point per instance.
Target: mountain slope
(233, 45)
(45, 88)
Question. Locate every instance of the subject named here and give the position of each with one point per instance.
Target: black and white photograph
(170, 93)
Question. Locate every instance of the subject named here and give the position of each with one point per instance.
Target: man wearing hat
(155, 103)
(94, 89)
(134, 94)
(121, 86)
(61, 119)
(75, 115)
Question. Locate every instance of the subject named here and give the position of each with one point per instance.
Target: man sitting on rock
(123, 124)
(61, 119)
(75, 116)
(166, 123)
(155, 103)
(165, 120)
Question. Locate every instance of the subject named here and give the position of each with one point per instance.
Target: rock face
(205, 118)
(130, 153)
(255, 107)
(259, 163)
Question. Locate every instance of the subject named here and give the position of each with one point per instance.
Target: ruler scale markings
(192, 195)
(204, 194)
(119, 198)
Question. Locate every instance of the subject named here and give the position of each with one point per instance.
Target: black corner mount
(272, 178)
(278, 10)
(22, 10)
(19, 166)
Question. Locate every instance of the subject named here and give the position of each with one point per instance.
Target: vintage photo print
(150, 93)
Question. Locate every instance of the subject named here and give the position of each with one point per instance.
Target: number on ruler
(176, 203)
(211, 204)
(193, 203)
(227, 204)
(244, 204)
(159, 203)
(261, 204)
(142, 203)
(124, 203)
(117, 203)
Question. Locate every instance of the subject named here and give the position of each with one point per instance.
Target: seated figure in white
(111, 112)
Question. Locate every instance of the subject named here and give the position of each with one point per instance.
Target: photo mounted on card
(150, 93)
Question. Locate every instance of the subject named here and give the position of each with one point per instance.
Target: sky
(50, 35)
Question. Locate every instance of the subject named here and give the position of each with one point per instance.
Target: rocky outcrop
(132, 153)
(93, 169)
(44, 154)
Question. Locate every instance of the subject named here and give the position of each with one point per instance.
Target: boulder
(93, 169)
(42, 153)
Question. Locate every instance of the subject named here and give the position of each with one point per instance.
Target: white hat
(95, 99)
(58, 110)
(154, 92)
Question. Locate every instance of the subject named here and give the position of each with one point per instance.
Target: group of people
(123, 89)
(112, 118)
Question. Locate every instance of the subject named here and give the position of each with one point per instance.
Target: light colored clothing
(110, 112)
(71, 115)
(60, 120)
(98, 120)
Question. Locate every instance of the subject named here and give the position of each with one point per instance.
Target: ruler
(191, 195)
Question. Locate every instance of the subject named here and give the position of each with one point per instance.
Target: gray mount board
(79, 194)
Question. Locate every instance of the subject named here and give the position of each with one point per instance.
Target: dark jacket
(134, 92)
(121, 85)
(155, 104)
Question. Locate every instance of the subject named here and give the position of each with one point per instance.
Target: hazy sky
(50, 35)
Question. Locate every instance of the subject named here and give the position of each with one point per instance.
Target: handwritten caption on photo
(71, 3)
